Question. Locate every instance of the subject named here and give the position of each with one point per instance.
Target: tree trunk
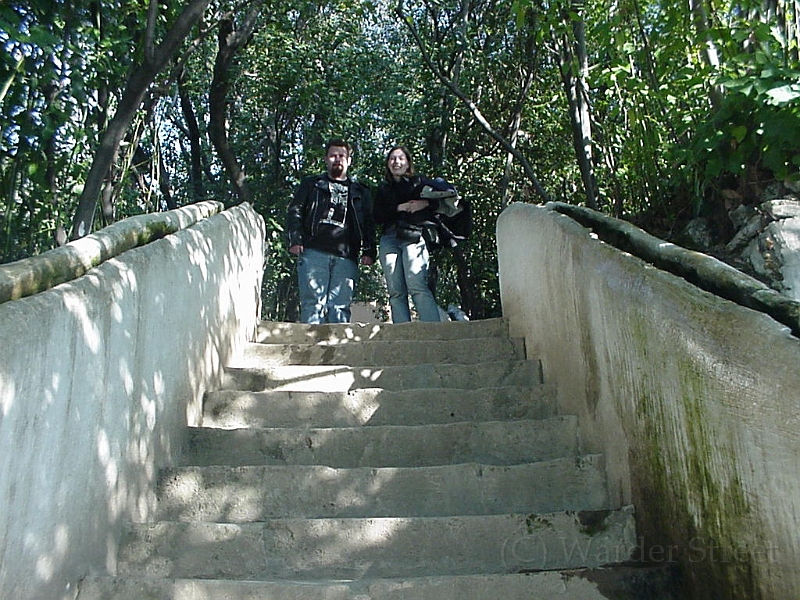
(709, 53)
(573, 75)
(135, 92)
(60, 234)
(194, 136)
(164, 183)
(471, 302)
(217, 109)
(230, 41)
(513, 134)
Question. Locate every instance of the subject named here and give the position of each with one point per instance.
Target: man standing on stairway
(330, 225)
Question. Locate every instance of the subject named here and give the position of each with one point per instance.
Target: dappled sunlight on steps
(378, 462)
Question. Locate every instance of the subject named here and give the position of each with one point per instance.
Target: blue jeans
(405, 268)
(326, 285)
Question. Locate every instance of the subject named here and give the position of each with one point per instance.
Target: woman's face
(398, 163)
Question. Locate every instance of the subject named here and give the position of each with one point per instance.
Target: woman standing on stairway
(403, 253)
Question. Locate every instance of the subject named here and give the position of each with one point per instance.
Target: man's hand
(296, 249)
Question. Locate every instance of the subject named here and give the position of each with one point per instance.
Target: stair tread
(356, 548)
(405, 377)
(376, 406)
(382, 461)
(494, 442)
(257, 493)
(380, 352)
(299, 332)
(627, 583)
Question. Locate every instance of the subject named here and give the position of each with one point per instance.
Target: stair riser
(496, 443)
(369, 548)
(373, 406)
(402, 352)
(423, 480)
(343, 378)
(242, 494)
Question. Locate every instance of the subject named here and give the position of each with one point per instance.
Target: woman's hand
(412, 206)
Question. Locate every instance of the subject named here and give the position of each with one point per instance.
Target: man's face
(337, 160)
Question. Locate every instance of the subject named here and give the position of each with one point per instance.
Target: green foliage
(748, 132)
(757, 125)
(660, 136)
(63, 66)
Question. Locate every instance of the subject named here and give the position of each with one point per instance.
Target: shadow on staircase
(366, 462)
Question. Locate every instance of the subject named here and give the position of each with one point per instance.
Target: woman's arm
(413, 206)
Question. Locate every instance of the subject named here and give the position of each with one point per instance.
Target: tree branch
(230, 41)
(135, 90)
(476, 113)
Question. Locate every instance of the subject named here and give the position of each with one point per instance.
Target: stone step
(300, 333)
(379, 353)
(257, 493)
(374, 406)
(423, 461)
(338, 378)
(620, 583)
(490, 442)
(354, 549)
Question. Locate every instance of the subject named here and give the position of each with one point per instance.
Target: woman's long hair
(409, 173)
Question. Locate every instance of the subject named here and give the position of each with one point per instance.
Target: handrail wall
(692, 398)
(99, 377)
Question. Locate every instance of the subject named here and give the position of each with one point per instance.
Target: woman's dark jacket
(312, 197)
(390, 195)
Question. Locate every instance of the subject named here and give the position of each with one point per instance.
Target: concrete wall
(98, 379)
(694, 400)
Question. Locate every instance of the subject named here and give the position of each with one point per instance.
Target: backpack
(452, 221)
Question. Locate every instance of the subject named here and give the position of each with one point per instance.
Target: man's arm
(295, 216)
(369, 246)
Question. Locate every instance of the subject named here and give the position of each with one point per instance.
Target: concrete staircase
(365, 462)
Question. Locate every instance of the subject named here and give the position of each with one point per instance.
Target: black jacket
(312, 195)
(390, 194)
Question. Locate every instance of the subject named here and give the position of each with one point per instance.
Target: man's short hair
(338, 143)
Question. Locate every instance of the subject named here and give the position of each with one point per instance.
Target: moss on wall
(692, 502)
(690, 396)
